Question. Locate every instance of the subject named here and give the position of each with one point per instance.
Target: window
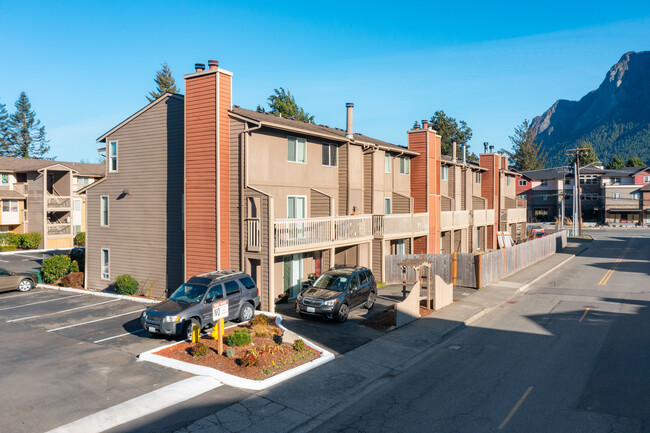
(636, 195)
(616, 196)
(76, 203)
(544, 197)
(5, 178)
(616, 180)
(9, 205)
(215, 292)
(404, 165)
(444, 173)
(508, 180)
(401, 246)
(387, 206)
(296, 206)
(296, 149)
(522, 182)
(112, 156)
(329, 155)
(387, 163)
(103, 211)
(567, 181)
(82, 180)
(232, 288)
(478, 177)
(248, 283)
(646, 179)
(355, 281)
(105, 268)
(77, 229)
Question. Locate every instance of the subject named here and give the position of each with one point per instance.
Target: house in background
(45, 196)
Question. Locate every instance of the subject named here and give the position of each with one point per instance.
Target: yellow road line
(514, 409)
(610, 272)
(584, 314)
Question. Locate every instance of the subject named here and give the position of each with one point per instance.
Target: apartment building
(45, 196)
(135, 214)
(544, 191)
(623, 193)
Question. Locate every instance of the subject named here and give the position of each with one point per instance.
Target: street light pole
(578, 201)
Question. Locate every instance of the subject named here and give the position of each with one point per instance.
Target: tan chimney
(425, 124)
(213, 64)
(453, 151)
(199, 67)
(348, 129)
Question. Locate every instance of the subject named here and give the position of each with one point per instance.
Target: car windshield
(332, 282)
(189, 293)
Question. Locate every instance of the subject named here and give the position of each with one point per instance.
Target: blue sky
(88, 65)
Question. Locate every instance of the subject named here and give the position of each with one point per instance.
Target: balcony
(254, 235)
(59, 229)
(304, 234)
(453, 220)
(400, 225)
(512, 216)
(58, 202)
(483, 217)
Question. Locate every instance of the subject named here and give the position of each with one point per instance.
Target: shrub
(260, 330)
(250, 358)
(239, 337)
(230, 353)
(31, 241)
(74, 279)
(299, 345)
(74, 266)
(4, 248)
(80, 239)
(126, 285)
(199, 349)
(13, 239)
(78, 255)
(260, 319)
(55, 267)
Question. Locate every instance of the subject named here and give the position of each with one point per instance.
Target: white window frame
(444, 172)
(112, 159)
(330, 148)
(75, 202)
(616, 196)
(297, 143)
(646, 179)
(522, 182)
(103, 211)
(478, 177)
(636, 195)
(508, 180)
(387, 163)
(107, 267)
(388, 205)
(405, 165)
(304, 197)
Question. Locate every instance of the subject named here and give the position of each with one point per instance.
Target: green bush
(4, 248)
(299, 345)
(260, 319)
(74, 266)
(10, 239)
(199, 349)
(126, 285)
(80, 239)
(31, 240)
(55, 267)
(240, 337)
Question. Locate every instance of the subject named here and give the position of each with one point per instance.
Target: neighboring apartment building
(44, 196)
(623, 195)
(135, 214)
(544, 191)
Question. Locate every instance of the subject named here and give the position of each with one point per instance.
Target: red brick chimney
(490, 187)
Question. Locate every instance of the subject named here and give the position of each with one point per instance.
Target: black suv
(191, 303)
(337, 291)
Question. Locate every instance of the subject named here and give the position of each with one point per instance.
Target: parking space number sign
(220, 310)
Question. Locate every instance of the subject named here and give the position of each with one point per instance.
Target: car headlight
(331, 302)
(172, 318)
(144, 314)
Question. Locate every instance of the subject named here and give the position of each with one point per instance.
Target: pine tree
(165, 83)
(26, 135)
(4, 131)
(635, 161)
(282, 103)
(588, 155)
(526, 153)
(615, 164)
(450, 130)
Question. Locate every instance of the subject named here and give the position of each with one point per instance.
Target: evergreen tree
(526, 153)
(588, 154)
(450, 130)
(165, 83)
(4, 131)
(635, 161)
(615, 164)
(282, 103)
(26, 135)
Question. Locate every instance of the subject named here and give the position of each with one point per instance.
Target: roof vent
(199, 67)
(213, 64)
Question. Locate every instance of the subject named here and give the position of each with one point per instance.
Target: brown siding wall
(368, 186)
(320, 204)
(224, 83)
(35, 215)
(144, 237)
(401, 204)
(377, 258)
(343, 179)
(420, 245)
(264, 282)
(236, 208)
(445, 204)
(478, 203)
(417, 142)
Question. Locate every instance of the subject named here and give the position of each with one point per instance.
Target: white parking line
(40, 302)
(94, 321)
(144, 405)
(31, 292)
(137, 331)
(62, 311)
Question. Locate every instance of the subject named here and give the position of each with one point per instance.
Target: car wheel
(187, 329)
(343, 313)
(25, 285)
(246, 313)
(370, 302)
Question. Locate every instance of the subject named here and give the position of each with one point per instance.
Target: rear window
(248, 283)
(231, 288)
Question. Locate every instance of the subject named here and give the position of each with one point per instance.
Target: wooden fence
(480, 270)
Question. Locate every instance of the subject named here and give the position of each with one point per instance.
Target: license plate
(152, 329)
(311, 310)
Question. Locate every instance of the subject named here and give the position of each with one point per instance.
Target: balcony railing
(254, 241)
(58, 202)
(455, 219)
(294, 233)
(513, 215)
(404, 225)
(483, 217)
(59, 229)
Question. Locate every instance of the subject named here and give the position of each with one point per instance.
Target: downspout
(243, 183)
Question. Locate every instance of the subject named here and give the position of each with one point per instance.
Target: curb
(8, 253)
(100, 294)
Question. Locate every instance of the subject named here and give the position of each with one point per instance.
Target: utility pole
(576, 152)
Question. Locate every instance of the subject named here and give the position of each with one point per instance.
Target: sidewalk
(336, 385)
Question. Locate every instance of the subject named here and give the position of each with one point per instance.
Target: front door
(292, 274)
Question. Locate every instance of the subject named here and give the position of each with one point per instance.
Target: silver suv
(191, 303)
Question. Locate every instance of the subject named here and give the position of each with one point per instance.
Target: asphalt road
(570, 355)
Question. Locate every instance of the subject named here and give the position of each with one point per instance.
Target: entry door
(292, 274)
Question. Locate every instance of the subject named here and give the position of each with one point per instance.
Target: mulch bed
(273, 358)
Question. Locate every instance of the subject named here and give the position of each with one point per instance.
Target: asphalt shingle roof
(15, 165)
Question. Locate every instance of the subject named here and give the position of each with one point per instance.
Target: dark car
(22, 281)
(337, 291)
(191, 303)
